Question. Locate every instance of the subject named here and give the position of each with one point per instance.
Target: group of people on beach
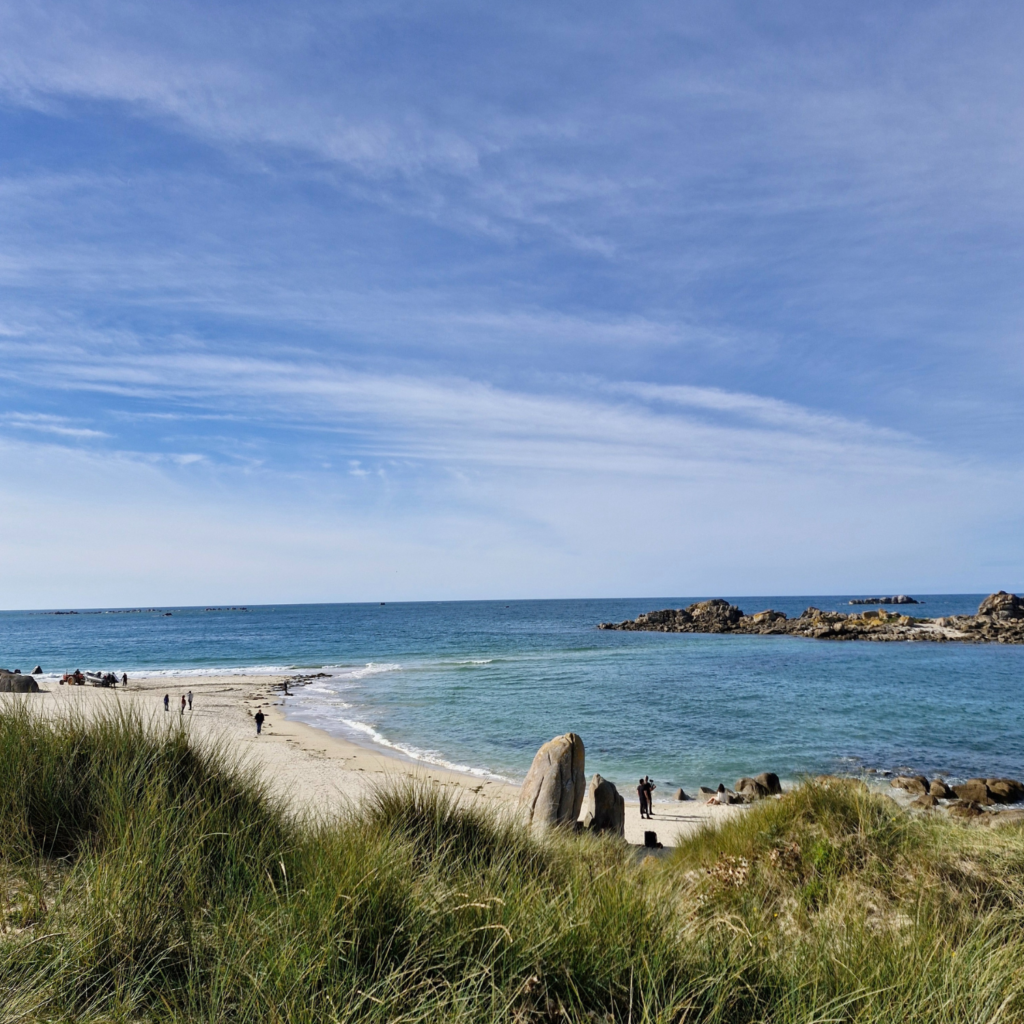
(184, 698)
(645, 790)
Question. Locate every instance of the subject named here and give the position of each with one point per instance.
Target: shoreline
(309, 767)
(315, 770)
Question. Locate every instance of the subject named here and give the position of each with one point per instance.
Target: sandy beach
(312, 769)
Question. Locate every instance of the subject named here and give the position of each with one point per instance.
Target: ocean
(479, 685)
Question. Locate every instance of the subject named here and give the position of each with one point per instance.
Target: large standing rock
(770, 781)
(553, 791)
(604, 808)
(11, 682)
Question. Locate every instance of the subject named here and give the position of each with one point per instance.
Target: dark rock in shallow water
(38, 670)
(680, 795)
(14, 682)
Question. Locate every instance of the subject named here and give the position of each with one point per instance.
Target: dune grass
(145, 878)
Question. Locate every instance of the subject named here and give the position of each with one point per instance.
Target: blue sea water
(480, 685)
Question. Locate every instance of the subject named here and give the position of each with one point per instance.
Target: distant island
(1000, 619)
(898, 599)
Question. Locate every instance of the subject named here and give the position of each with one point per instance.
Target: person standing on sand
(167, 702)
(190, 700)
(641, 791)
(182, 711)
(259, 720)
(124, 679)
(650, 787)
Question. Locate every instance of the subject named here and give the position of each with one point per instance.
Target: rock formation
(604, 809)
(13, 682)
(1000, 618)
(916, 785)
(553, 791)
(898, 599)
(751, 789)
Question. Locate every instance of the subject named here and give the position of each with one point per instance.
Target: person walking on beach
(259, 720)
(190, 700)
(641, 791)
(167, 702)
(182, 711)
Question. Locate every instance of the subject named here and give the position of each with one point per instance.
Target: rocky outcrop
(1005, 791)
(916, 785)
(990, 791)
(1002, 606)
(770, 781)
(38, 670)
(751, 789)
(898, 599)
(604, 809)
(555, 785)
(1000, 618)
(939, 789)
(12, 682)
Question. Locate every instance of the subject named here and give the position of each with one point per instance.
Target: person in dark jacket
(259, 716)
(167, 702)
(641, 791)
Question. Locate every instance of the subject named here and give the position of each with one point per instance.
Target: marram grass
(145, 879)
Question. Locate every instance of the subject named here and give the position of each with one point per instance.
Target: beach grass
(144, 877)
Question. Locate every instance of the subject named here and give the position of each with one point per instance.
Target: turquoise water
(480, 685)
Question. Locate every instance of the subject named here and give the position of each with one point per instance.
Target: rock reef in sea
(1000, 619)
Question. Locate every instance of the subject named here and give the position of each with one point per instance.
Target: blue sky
(412, 301)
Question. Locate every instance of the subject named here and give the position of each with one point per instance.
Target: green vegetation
(145, 879)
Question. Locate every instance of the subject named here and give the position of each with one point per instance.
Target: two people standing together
(645, 790)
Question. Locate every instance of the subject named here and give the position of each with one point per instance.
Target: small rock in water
(37, 671)
(680, 795)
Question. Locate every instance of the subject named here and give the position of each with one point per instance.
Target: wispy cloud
(46, 424)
